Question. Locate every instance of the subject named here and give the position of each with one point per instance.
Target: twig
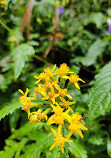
(56, 21)
(27, 19)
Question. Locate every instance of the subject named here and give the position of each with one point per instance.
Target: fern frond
(13, 148)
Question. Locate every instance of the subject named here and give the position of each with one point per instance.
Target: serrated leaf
(21, 55)
(27, 129)
(28, 151)
(9, 109)
(93, 52)
(100, 94)
(77, 149)
(109, 146)
(13, 148)
(54, 153)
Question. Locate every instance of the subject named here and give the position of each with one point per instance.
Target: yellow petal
(36, 77)
(59, 129)
(21, 91)
(54, 67)
(52, 146)
(81, 80)
(63, 100)
(27, 90)
(80, 133)
(69, 96)
(76, 85)
(62, 149)
(50, 120)
(65, 77)
(37, 81)
(69, 135)
(54, 132)
(45, 98)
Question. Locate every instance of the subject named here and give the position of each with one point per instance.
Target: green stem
(5, 26)
(41, 59)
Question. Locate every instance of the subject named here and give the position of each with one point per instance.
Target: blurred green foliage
(84, 46)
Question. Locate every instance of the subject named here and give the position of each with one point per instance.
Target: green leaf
(106, 39)
(9, 109)
(13, 148)
(23, 131)
(54, 153)
(97, 18)
(100, 94)
(93, 52)
(28, 151)
(21, 55)
(77, 149)
(109, 146)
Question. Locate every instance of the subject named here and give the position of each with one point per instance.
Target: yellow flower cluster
(51, 89)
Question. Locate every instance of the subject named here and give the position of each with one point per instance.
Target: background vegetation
(31, 42)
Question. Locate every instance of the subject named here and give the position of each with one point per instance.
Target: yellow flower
(37, 116)
(59, 140)
(49, 73)
(39, 90)
(59, 116)
(63, 70)
(75, 124)
(33, 118)
(62, 92)
(65, 103)
(26, 101)
(23, 99)
(50, 96)
(42, 77)
(3, 2)
(74, 79)
(46, 75)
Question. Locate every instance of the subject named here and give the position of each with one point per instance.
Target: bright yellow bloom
(24, 99)
(74, 79)
(63, 70)
(46, 75)
(49, 73)
(50, 96)
(49, 85)
(62, 92)
(59, 116)
(39, 90)
(75, 124)
(3, 2)
(59, 140)
(42, 77)
(32, 118)
(65, 103)
(37, 116)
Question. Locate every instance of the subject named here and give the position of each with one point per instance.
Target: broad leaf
(100, 94)
(21, 55)
(93, 52)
